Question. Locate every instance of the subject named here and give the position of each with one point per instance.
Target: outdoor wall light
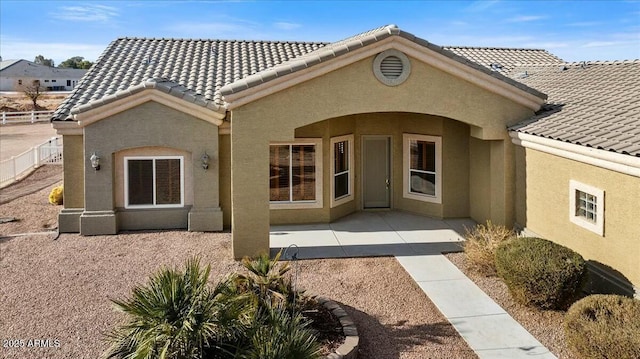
(95, 161)
(205, 160)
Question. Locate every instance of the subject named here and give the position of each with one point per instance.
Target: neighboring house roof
(17, 68)
(6, 63)
(201, 67)
(594, 104)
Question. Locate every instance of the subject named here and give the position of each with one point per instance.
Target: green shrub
(278, 334)
(604, 326)
(540, 273)
(56, 195)
(481, 243)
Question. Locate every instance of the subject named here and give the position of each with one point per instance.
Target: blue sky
(573, 30)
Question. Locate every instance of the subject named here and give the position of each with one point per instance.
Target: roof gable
(350, 46)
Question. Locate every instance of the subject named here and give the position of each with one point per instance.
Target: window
(46, 80)
(295, 179)
(53, 80)
(341, 170)
(586, 207)
(19, 82)
(68, 82)
(422, 167)
(154, 181)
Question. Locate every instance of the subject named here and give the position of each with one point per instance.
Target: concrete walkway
(418, 243)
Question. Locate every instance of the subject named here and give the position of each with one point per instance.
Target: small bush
(541, 273)
(604, 326)
(55, 197)
(481, 243)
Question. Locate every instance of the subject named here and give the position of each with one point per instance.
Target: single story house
(212, 134)
(15, 74)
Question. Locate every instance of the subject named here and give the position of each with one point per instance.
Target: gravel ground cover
(544, 325)
(58, 290)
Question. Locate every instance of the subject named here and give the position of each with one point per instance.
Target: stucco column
(73, 180)
(249, 188)
(502, 182)
(99, 216)
(206, 215)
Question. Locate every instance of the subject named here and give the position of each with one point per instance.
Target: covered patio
(371, 233)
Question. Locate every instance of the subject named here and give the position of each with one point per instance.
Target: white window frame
(349, 196)
(154, 158)
(406, 162)
(597, 226)
(318, 202)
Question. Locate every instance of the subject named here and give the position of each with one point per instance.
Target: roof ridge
(604, 62)
(495, 48)
(220, 40)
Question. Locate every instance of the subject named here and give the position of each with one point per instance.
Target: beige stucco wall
(73, 172)
(150, 125)
(544, 186)
(225, 179)
(353, 90)
(73, 181)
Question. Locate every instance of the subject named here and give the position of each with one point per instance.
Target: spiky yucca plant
(279, 334)
(267, 279)
(177, 316)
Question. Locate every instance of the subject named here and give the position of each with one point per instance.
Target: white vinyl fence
(49, 152)
(26, 117)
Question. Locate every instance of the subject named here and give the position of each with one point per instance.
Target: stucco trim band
(99, 113)
(625, 164)
(410, 48)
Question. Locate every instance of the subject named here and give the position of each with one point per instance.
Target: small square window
(586, 206)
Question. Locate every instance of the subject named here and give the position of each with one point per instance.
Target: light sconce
(205, 161)
(95, 161)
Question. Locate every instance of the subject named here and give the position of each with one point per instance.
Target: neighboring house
(14, 74)
(208, 134)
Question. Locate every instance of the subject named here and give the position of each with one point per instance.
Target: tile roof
(205, 66)
(349, 44)
(504, 60)
(594, 104)
(201, 67)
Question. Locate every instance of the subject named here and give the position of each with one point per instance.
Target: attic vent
(391, 67)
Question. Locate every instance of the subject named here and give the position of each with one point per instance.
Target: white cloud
(86, 13)
(585, 24)
(526, 18)
(286, 25)
(481, 5)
